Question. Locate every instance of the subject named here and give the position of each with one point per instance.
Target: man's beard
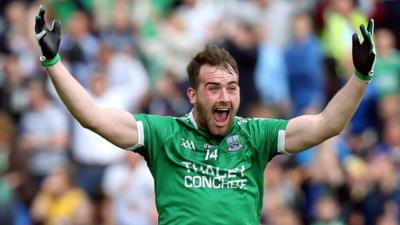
(201, 115)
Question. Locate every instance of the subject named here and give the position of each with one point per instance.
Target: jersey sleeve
(153, 130)
(268, 137)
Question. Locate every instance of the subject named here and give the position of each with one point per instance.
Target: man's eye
(213, 88)
(232, 88)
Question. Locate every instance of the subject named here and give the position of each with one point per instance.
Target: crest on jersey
(233, 143)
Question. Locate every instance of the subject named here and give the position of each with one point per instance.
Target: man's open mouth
(221, 114)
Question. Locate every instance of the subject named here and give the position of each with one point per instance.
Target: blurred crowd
(293, 56)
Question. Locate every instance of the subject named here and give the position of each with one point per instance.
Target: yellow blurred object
(61, 209)
(356, 167)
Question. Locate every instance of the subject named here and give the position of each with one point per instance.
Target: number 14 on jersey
(211, 154)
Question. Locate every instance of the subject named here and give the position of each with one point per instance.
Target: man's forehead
(211, 73)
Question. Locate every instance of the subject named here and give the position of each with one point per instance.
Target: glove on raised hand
(364, 53)
(48, 39)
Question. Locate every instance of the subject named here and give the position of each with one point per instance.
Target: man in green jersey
(208, 165)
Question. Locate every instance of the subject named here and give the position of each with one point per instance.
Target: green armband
(46, 63)
(362, 77)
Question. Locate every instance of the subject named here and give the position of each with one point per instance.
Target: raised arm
(117, 126)
(309, 130)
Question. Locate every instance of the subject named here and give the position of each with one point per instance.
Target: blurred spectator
(19, 36)
(279, 194)
(341, 21)
(274, 16)
(326, 177)
(355, 218)
(198, 16)
(65, 10)
(304, 60)
(149, 13)
(327, 212)
(7, 199)
(390, 143)
(149, 17)
(168, 97)
(175, 39)
(356, 189)
(6, 203)
(274, 204)
(120, 34)
(387, 12)
(271, 76)
(284, 216)
(13, 97)
(84, 214)
(389, 107)
(104, 12)
(43, 138)
(387, 66)
(387, 220)
(368, 7)
(243, 46)
(130, 186)
(126, 76)
(106, 212)
(60, 202)
(384, 194)
(325, 168)
(79, 47)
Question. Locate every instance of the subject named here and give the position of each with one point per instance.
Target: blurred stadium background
(293, 55)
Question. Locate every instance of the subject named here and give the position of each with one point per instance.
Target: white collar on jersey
(191, 118)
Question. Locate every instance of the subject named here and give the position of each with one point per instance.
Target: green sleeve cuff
(362, 77)
(46, 63)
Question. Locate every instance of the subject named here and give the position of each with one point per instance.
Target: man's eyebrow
(218, 84)
(212, 83)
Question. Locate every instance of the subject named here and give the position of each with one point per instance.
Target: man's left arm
(309, 130)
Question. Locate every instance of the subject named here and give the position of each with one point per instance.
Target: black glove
(48, 39)
(364, 54)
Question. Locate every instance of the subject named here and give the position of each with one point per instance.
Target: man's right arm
(117, 126)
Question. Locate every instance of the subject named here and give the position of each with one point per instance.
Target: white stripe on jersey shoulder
(281, 142)
(191, 118)
(140, 131)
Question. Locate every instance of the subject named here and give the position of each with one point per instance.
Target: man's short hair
(212, 55)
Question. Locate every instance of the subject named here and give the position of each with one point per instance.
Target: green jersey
(387, 72)
(203, 179)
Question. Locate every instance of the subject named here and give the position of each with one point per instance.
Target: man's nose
(223, 95)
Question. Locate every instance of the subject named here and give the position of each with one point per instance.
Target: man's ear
(191, 93)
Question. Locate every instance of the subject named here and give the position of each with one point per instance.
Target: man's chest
(202, 163)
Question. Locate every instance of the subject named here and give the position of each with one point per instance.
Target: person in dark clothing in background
(243, 47)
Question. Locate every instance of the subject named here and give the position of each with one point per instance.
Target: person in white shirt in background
(91, 152)
(43, 138)
(130, 187)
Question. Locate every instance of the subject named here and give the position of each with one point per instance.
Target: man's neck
(192, 118)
